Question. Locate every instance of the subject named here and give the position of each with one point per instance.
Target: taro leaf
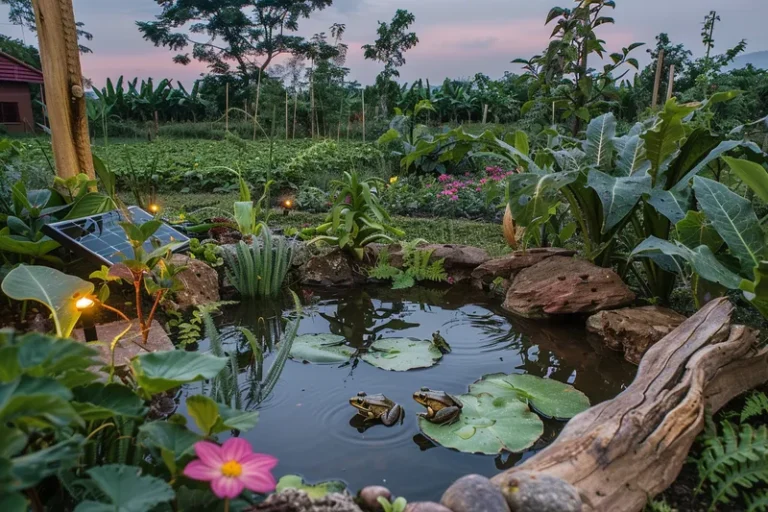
(618, 195)
(28, 470)
(57, 291)
(213, 418)
(321, 349)
(672, 204)
(753, 174)
(569, 159)
(661, 141)
(701, 259)
(487, 425)
(757, 292)
(38, 249)
(38, 355)
(531, 195)
(314, 491)
(402, 354)
(126, 490)
(695, 230)
(548, 397)
(36, 403)
(722, 148)
(99, 402)
(90, 204)
(160, 371)
(169, 437)
(599, 144)
(734, 219)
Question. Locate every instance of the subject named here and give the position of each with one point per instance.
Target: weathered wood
(671, 83)
(657, 81)
(622, 452)
(60, 58)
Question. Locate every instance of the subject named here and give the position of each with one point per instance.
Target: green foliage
(314, 491)
(396, 506)
(259, 270)
(392, 43)
(209, 253)
(329, 158)
(755, 405)
(124, 488)
(416, 267)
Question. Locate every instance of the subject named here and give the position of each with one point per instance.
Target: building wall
(18, 92)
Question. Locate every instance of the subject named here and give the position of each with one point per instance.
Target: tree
(16, 48)
(23, 14)
(708, 32)
(239, 32)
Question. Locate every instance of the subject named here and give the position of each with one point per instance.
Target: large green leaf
(487, 425)
(701, 259)
(99, 401)
(160, 371)
(57, 291)
(752, 174)
(548, 397)
(314, 491)
(617, 195)
(696, 229)
(722, 148)
(734, 219)
(757, 291)
(402, 354)
(599, 144)
(91, 203)
(321, 349)
(29, 470)
(663, 140)
(13, 502)
(170, 437)
(36, 402)
(672, 204)
(631, 160)
(531, 195)
(38, 249)
(212, 418)
(39, 355)
(125, 490)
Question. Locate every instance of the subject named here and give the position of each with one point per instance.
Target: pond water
(307, 421)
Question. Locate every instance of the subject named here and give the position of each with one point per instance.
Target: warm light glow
(154, 208)
(84, 303)
(288, 203)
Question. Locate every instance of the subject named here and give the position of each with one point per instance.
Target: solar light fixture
(287, 206)
(85, 306)
(154, 208)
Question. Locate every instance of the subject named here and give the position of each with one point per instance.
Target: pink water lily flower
(232, 467)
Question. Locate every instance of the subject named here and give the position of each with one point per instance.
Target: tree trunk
(622, 452)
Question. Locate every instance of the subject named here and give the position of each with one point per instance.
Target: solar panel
(100, 238)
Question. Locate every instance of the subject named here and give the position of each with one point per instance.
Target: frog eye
(425, 389)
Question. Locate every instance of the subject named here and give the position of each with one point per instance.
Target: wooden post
(286, 114)
(295, 107)
(45, 106)
(60, 57)
(363, 115)
(657, 82)
(256, 112)
(485, 113)
(671, 85)
(226, 107)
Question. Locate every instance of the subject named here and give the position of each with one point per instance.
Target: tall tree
(16, 48)
(21, 13)
(246, 33)
(708, 32)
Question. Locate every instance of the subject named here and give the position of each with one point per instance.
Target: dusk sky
(458, 37)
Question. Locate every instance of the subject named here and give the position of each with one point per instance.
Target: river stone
(334, 269)
(509, 266)
(562, 286)
(425, 506)
(292, 500)
(533, 492)
(199, 280)
(369, 497)
(474, 493)
(634, 330)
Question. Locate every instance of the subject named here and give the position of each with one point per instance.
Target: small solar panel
(101, 239)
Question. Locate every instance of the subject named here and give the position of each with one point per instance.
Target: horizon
(455, 41)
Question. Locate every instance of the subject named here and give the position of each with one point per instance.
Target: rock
(200, 282)
(561, 286)
(130, 345)
(533, 492)
(456, 256)
(335, 269)
(509, 266)
(634, 330)
(369, 497)
(425, 506)
(474, 493)
(292, 500)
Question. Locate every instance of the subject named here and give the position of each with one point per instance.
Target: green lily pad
(548, 397)
(321, 349)
(487, 425)
(402, 354)
(314, 491)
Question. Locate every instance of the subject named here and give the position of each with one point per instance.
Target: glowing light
(288, 203)
(84, 303)
(154, 208)
(393, 180)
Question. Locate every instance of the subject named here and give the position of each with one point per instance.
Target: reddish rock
(335, 269)
(200, 282)
(509, 266)
(561, 286)
(456, 256)
(634, 330)
(369, 497)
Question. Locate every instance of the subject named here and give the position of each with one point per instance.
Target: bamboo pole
(60, 57)
(286, 115)
(657, 82)
(671, 85)
(295, 108)
(363, 115)
(256, 112)
(226, 107)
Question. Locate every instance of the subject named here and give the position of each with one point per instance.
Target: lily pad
(321, 349)
(548, 397)
(402, 354)
(314, 491)
(487, 425)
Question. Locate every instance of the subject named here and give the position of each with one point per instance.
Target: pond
(308, 423)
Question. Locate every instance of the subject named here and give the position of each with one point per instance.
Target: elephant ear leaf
(751, 173)
(695, 230)
(531, 195)
(617, 195)
(735, 221)
(663, 140)
(599, 144)
(59, 292)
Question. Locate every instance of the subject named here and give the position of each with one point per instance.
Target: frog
(377, 407)
(442, 408)
(440, 344)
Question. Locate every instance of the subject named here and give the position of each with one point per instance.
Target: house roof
(14, 70)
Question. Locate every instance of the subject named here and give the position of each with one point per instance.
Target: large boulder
(634, 330)
(200, 282)
(509, 266)
(335, 269)
(563, 286)
(459, 260)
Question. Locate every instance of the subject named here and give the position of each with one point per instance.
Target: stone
(425, 506)
(456, 256)
(292, 500)
(369, 497)
(533, 492)
(509, 266)
(130, 345)
(634, 330)
(200, 282)
(474, 493)
(334, 269)
(563, 286)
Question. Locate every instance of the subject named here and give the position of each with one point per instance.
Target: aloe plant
(259, 270)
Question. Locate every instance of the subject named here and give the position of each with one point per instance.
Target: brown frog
(442, 408)
(377, 407)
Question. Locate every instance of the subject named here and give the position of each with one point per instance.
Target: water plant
(259, 270)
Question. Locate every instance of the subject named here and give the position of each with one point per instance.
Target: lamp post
(287, 205)
(85, 306)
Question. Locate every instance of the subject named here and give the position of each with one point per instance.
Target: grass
(435, 230)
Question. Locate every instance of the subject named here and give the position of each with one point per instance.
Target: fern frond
(756, 405)
(402, 281)
(757, 502)
(742, 476)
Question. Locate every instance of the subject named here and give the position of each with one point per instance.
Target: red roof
(14, 70)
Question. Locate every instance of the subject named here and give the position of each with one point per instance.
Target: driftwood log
(622, 452)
